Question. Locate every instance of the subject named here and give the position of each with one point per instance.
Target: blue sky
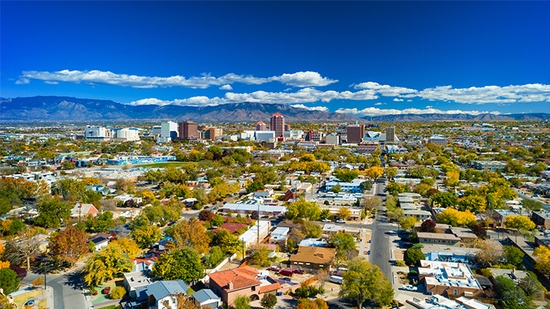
(363, 58)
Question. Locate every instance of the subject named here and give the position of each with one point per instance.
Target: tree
(241, 302)
(8, 281)
(311, 230)
(5, 302)
(511, 295)
(255, 186)
(105, 265)
(363, 281)
(491, 252)
(303, 209)
(228, 242)
(127, 246)
(260, 256)
(531, 204)
(542, 260)
(474, 203)
(206, 215)
(445, 199)
(408, 223)
(344, 213)
(374, 172)
(268, 301)
(192, 234)
(518, 222)
(22, 250)
(344, 243)
(69, 245)
(395, 188)
(391, 172)
(456, 218)
(143, 233)
(514, 255)
(305, 303)
(215, 256)
(336, 189)
(117, 293)
(428, 226)
(345, 175)
(413, 255)
(217, 220)
(52, 212)
(184, 264)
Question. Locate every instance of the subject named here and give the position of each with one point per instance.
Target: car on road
(340, 221)
(410, 288)
(106, 290)
(325, 220)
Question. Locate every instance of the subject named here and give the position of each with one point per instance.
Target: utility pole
(258, 226)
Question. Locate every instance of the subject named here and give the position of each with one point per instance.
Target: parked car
(410, 288)
(286, 279)
(286, 272)
(106, 290)
(336, 279)
(340, 221)
(274, 268)
(326, 220)
(298, 271)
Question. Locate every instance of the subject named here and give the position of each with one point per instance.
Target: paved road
(68, 291)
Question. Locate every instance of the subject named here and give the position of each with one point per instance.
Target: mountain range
(56, 108)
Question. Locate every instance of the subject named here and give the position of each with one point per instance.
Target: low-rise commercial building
(448, 278)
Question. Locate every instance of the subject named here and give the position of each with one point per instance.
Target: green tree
(345, 175)
(391, 172)
(192, 234)
(365, 281)
(413, 256)
(215, 256)
(311, 230)
(184, 264)
(474, 203)
(511, 295)
(408, 223)
(260, 256)
(395, 188)
(52, 212)
(519, 223)
(228, 242)
(514, 255)
(8, 281)
(531, 204)
(303, 209)
(268, 301)
(241, 302)
(445, 199)
(344, 243)
(143, 233)
(117, 293)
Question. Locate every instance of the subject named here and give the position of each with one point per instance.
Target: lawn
(21, 299)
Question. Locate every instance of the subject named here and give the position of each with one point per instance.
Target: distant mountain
(459, 117)
(52, 108)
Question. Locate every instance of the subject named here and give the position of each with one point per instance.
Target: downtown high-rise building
(390, 135)
(188, 130)
(277, 124)
(261, 126)
(355, 133)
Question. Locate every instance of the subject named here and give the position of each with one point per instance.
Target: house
(420, 214)
(81, 210)
(353, 187)
(438, 301)
(541, 218)
(135, 280)
(100, 240)
(449, 279)
(159, 295)
(331, 229)
(229, 284)
(207, 298)
(438, 238)
(279, 236)
(313, 258)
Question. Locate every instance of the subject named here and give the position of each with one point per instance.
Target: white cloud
(304, 79)
(226, 87)
(397, 100)
(311, 108)
(374, 111)
(22, 81)
(298, 79)
(379, 103)
(385, 90)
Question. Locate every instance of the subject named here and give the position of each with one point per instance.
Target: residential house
(229, 284)
(541, 218)
(331, 229)
(81, 210)
(313, 258)
(135, 280)
(279, 236)
(159, 295)
(100, 240)
(448, 278)
(207, 298)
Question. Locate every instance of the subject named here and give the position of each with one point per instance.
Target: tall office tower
(277, 124)
(188, 130)
(212, 133)
(261, 126)
(390, 134)
(354, 134)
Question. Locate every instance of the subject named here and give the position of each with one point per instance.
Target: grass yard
(21, 299)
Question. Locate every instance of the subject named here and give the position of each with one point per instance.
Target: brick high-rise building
(261, 126)
(355, 133)
(390, 134)
(277, 124)
(188, 130)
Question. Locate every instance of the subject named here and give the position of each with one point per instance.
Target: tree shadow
(75, 280)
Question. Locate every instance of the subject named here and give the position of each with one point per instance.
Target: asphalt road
(68, 291)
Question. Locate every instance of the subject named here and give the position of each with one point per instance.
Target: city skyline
(360, 58)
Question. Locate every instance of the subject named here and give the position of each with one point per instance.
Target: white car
(325, 220)
(340, 221)
(410, 288)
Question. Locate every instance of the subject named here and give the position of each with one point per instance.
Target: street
(68, 290)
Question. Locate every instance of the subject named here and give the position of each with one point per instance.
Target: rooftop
(447, 274)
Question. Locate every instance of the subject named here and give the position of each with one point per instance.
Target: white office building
(97, 133)
(168, 132)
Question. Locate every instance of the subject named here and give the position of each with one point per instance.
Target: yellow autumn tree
(374, 172)
(456, 218)
(542, 260)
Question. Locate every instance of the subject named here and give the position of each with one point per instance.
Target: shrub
(400, 263)
(93, 291)
(117, 293)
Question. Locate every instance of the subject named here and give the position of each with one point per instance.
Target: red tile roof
(240, 278)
